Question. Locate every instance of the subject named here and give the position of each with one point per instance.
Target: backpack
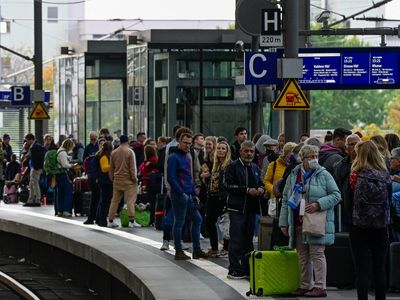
(371, 199)
(91, 167)
(50, 165)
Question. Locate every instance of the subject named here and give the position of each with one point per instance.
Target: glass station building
(152, 82)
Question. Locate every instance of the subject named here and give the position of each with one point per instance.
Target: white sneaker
(201, 237)
(66, 214)
(165, 245)
(112, 224)
(134, 224)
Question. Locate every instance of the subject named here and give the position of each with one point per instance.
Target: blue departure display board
(320, 68)
(357, 68)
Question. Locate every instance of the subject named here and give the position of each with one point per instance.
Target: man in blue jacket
(183, 196)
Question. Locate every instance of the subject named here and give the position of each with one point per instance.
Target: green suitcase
(274, 272)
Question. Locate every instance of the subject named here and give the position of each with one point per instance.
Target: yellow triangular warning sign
(39, 112)
(291, 98)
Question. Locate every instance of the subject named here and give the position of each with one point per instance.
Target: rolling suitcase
(81, 197)
(340, 263)
(274, 272)
(81, 184)
(394, 274)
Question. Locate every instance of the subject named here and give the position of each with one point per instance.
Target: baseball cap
(271, 142)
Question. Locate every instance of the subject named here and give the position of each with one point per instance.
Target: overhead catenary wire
(63, 3)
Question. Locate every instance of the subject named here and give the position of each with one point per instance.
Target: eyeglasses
(351, 144)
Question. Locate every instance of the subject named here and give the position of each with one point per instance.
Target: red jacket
(147, 167)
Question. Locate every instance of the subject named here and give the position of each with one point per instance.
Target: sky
(161, 9)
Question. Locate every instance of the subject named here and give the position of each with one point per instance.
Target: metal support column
(304, 24)
(201, 91)
(291, 46)
(38, 60)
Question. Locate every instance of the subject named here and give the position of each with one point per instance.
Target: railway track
(15, 288)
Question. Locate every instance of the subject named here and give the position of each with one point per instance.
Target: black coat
(37, 153)
(341, 175)
(236, 183)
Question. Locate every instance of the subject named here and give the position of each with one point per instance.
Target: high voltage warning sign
(291, 98)
(39, 112)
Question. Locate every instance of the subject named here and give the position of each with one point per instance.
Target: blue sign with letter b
(20, 95)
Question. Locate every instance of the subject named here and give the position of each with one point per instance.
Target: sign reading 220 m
(356, 68)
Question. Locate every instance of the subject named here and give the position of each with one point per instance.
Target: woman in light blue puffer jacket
(314, 184)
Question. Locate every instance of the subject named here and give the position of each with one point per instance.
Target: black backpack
(371, 199)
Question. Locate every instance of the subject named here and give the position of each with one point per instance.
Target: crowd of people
(207, 181)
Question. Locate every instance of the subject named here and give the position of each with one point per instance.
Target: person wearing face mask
(277, 168)
(294, 161)
(271, 154)
(245, 190)
(310, 188)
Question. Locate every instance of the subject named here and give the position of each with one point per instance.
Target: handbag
(272, 207)
(314, 224)
(224, 225)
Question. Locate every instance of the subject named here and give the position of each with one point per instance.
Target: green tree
(346, 108)
(393, 114)
(349, 108)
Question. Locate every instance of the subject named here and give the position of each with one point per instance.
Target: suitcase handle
(281, 248)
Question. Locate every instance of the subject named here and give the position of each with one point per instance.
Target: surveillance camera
(239, 46)
(323, 16)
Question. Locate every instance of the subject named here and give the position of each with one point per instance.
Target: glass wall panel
(111, 115)
(161, 69)
(218, 70)
(161, 96)
(220, 93)
(111, 90)
(81, 98)
(138, 104)
(92, 106)
(188, 69)
(92, 90)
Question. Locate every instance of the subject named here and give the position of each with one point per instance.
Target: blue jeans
(64, 194)
(183, 205)
(241, 231)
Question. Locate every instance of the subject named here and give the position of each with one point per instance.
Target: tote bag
(314, 224)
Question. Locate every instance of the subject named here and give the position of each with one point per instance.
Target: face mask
(269, 152)
(292, 159)
(272, 156)
(313, 163)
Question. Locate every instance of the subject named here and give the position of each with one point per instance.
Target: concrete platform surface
(133, 257)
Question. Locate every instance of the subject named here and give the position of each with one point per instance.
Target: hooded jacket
(321, 188)
(329, 155)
